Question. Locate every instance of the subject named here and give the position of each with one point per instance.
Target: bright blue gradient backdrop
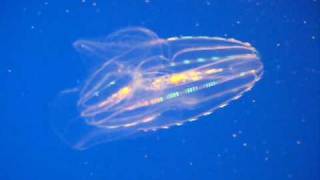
(272, 132)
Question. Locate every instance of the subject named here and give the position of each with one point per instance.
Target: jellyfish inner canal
(139, 99)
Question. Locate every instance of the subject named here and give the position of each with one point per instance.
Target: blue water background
(270, 133)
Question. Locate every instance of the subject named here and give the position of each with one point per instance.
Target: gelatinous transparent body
(146, 83)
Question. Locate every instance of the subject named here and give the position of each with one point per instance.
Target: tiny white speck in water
(234, 135)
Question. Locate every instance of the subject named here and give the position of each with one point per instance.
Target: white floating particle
(234, 135)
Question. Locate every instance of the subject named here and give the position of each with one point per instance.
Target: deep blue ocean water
(272, 132)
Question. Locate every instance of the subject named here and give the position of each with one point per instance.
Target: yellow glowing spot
(124, 92)
(120, 95)
(177, 78)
